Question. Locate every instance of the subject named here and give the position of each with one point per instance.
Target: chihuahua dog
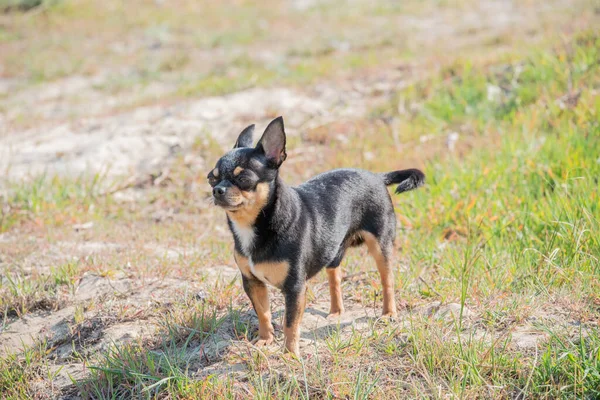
(285, 235)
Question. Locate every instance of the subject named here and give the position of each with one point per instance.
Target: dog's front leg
(295, 302)
(259, 296)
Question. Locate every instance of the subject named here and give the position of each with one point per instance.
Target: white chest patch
(246, 237)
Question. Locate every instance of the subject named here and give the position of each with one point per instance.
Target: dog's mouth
(229, 207)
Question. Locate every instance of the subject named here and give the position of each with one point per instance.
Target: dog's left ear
(272, 143)
(245, 138)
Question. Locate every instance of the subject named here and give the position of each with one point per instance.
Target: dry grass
(106, 57)
(134, 291)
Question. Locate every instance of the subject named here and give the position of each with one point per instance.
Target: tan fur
(215, 172)
(386, 273)
(334, 275)
(274, 273)
(243, 264)
(237, 171)
(252, 203)
(259, 296)
(292, 333)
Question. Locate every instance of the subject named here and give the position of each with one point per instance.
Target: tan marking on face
(334, 276)
(273, 273)
(292, 332)
(237, 171)
(385, 271)
(253, 202)
(215, 172)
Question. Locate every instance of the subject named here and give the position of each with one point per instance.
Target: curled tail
(407, 179)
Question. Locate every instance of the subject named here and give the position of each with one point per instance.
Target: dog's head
(242, 178)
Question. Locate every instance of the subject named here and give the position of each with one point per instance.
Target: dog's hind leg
(382, 253)
(334, 275)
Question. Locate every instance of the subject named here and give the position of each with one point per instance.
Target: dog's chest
(272, 273)
(245, 235)
(259, 272)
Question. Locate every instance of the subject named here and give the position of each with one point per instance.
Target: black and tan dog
(285, 235)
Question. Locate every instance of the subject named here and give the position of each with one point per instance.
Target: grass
(19, 372)
(544, 163)
(161, 53)
(524, 218)
(570, 367)
(20, 294)
(506, 229)
(52, 200)
(22, 5)
(512, 225)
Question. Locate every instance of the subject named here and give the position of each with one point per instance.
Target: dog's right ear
(245, 138)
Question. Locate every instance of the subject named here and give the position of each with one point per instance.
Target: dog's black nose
(218, 191)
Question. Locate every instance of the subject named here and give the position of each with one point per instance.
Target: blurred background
(118, 87)
(117, 277)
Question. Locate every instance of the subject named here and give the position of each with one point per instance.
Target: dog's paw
(391, 316)
(335, 314)
(293, 352)
(259, 342)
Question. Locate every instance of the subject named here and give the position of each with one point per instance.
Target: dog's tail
(407, 179)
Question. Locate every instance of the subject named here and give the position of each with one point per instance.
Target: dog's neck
(280, 211)
(274, 219)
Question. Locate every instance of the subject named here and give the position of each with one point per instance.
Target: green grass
(569, 368)
(23, 5)
(52, 200)
(18, 372)
(22, 293)
(528, 204)
(523, 210)
(133, 371)
(507, 227)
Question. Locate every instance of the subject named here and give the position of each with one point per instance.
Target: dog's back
(340, 207)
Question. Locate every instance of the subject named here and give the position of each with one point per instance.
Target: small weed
(18, 373)
(20, 294)
(569, 368)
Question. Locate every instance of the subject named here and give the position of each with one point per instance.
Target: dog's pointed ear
(272, 143)
(245, 138)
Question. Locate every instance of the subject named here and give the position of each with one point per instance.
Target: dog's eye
(212, 181)
(245, 181)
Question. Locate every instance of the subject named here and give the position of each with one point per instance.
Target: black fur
(309, 226)
(408, 179)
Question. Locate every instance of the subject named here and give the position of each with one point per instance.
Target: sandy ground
(81, 131)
